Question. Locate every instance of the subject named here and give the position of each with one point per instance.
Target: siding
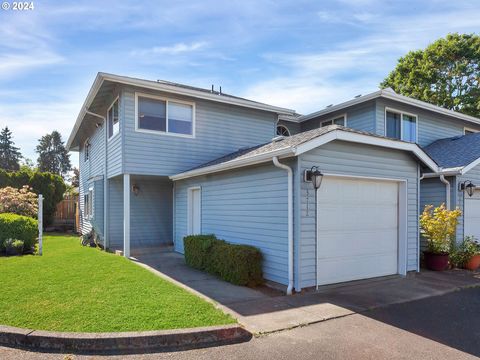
(115, 213)
(220, 129)
(474, 176)
(246, 206)
(431, 126)
(293, 127)
(151, 212)
(362, 160)
(359, 117)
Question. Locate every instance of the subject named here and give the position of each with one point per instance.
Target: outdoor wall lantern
(135, 189)
(315, 176)
(468, 187)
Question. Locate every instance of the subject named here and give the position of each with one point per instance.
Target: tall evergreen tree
(9, 154)
(52, 154)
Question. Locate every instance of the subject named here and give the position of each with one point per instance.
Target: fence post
(40, 224)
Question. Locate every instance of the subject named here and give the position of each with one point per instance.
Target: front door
(194, 210)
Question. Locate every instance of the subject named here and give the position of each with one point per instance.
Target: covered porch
(140, 213)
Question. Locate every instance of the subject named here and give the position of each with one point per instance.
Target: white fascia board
(367, 140)
(470, 166)
(233, 164)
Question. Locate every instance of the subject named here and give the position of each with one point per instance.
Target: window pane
(115, 119)
(180, 118)
(151, 114)
(339, 121)
(409, 128)
(327, 123)
(393, 125)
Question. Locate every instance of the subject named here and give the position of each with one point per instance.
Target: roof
(298, 144)
(455, 152)
(170, 87)
(392, 95)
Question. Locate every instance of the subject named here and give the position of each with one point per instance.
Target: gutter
(290, 221)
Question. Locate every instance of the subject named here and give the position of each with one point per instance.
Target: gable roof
(392, 95)
(456, 152)
(170, 87)
(300, 143)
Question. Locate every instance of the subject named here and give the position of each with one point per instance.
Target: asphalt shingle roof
(454, 152)
(290, 141)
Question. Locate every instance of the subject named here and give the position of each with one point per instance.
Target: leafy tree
(9, 154)
(75, 179)
(52, 155)
(446, 73)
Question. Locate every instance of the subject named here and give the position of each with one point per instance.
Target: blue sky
(297, 54)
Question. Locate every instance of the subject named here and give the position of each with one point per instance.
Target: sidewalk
(264, 310)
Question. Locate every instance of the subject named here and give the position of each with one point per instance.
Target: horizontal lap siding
(220, 129)
(247, 206)
(151, 212)
(361, 160)
(293, 127)
(115, 213)
(431, 126)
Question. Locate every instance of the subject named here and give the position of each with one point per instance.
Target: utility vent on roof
(278, 138)
(357, 96)
(329, 105)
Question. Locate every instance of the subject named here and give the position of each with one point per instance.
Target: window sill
(155, 132)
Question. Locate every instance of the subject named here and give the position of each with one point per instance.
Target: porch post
(126, 215)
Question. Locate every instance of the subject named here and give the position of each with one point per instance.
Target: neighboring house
(159, 161)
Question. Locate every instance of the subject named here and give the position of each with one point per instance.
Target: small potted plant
(438, 226)
(471, 253)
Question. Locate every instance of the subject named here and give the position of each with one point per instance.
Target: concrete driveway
(440, 327)
(264, 310)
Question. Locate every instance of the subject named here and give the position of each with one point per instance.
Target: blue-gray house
(161, 160)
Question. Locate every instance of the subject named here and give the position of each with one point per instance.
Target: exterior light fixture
(316, 176)
(135, 189)
(468, 187)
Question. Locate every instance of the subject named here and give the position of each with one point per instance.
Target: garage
(472, 215)
(358, 228)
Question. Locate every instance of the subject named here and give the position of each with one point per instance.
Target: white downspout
(447, 186)
(290, 221)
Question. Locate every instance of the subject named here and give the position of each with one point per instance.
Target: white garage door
(472, 215)
(357, 229)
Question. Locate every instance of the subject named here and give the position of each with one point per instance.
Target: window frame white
(331, 119)
(86, 150)
(401, 112)
(283, 126)
(167, 100)
(471, 130)
(88, 207)
(108, 119)
(190, 221)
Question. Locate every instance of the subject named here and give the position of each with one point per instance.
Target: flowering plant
(438, 226)
(19, 201)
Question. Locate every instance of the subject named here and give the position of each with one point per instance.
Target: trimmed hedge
(238, 264)
(18, 227)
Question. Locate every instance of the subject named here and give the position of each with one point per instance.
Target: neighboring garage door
(357, 229)
(472, 215)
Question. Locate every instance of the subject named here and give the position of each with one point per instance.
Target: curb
(123, 342)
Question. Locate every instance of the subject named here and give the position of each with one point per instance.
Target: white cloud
(176, 49)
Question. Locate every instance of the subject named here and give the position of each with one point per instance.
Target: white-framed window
(164, 116)
(86, 150)
(282, 130)
(88, 203)
(113, 119)
(338, 120)
(401, 125)
(468, 131)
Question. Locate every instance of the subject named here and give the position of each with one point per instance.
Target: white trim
(126, 215)
(470, 166)
(312, 144)
(344, 115)
(167, 100)
(465, 129)
(108, 119)
(402, 239)
(401, 113)
(190, 191)
(283, 126)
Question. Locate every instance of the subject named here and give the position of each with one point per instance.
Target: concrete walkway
(263, 310)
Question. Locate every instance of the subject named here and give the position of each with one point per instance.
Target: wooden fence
(67, 215)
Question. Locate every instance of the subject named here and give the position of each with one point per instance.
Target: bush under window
(238, 264)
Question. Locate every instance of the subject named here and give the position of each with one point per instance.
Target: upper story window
(282, 130)
(339, 120)
(86, 150)
(173, 117)
(113, 120)
(400, 125)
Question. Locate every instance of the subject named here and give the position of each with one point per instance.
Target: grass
(78, 289)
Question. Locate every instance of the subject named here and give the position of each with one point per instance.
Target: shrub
(438, 226)
(13, 226)
(238, 264)
(18, 201)
(14, 247)
(462, 253)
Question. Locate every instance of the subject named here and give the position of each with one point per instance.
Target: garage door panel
(472, 215)
(357, 229)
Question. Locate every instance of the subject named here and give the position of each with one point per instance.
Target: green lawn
(74, 288)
